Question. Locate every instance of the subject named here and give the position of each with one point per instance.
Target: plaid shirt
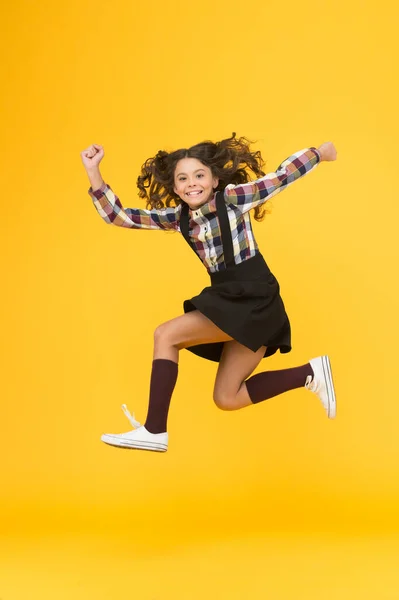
(204, 225)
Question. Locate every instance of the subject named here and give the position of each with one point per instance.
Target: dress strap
(228, 251)
(184, 228)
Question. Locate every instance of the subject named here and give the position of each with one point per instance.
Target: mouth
(194, 194)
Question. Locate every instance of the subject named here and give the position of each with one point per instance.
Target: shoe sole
(126, 447)
(328, 379)
(136, 446)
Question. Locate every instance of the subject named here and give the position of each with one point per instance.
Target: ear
(215, 182)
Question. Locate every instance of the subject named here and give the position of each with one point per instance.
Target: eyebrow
(196, 171)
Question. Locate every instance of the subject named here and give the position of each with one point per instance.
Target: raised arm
(110, 208)
(249, 195)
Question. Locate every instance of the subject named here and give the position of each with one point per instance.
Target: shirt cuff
(98, 193)
(315, 150)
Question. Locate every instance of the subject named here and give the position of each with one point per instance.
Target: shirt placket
(209, 248)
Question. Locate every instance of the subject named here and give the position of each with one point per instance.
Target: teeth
(194, 193)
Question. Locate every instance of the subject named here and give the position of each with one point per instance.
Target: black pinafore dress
(243, 300)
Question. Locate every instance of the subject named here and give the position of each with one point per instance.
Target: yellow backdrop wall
(80, 300)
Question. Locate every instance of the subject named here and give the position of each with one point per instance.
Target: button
(196, 214)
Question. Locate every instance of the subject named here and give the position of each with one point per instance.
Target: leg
(187, 330)
(232, 392)
(236, 364)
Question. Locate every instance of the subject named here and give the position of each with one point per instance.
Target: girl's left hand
(328, 151)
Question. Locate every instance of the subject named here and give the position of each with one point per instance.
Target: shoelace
(313, 386)
(131, 418)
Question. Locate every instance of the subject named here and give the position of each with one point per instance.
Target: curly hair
(228, 160)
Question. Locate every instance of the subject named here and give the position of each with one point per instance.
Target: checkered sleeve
(110, 209)
(252, 194)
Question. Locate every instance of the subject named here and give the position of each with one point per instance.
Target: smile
(196, 193)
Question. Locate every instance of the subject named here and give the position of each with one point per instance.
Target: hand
(92, 156)
(328, 151)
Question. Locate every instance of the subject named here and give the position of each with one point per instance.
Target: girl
(204, 193)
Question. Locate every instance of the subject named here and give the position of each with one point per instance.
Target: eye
(182, 178)
(200, 175)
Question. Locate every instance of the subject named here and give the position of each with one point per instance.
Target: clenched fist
(92, 156)
(328, 151)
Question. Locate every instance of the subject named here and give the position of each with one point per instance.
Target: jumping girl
(204, 193)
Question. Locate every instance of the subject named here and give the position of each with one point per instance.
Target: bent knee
(161, 332)
(223, 400)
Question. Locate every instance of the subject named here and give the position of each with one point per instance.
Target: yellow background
(275, 501)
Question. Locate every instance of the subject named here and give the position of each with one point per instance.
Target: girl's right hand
(92, 156)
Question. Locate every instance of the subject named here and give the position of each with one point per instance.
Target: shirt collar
(205, 209)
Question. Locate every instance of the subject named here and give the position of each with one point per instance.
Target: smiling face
(194, 182)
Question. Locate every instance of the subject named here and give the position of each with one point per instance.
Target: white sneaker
(322, 384)
(139, 438)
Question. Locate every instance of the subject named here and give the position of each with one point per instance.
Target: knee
(161, 333)
(223, 400)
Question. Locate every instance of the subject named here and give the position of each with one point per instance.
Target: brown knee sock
(263, 386)
(163, 380)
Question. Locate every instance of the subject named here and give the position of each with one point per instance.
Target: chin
(194, 203)
(202, 200)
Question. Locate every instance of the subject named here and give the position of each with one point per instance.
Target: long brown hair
(228, 160)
